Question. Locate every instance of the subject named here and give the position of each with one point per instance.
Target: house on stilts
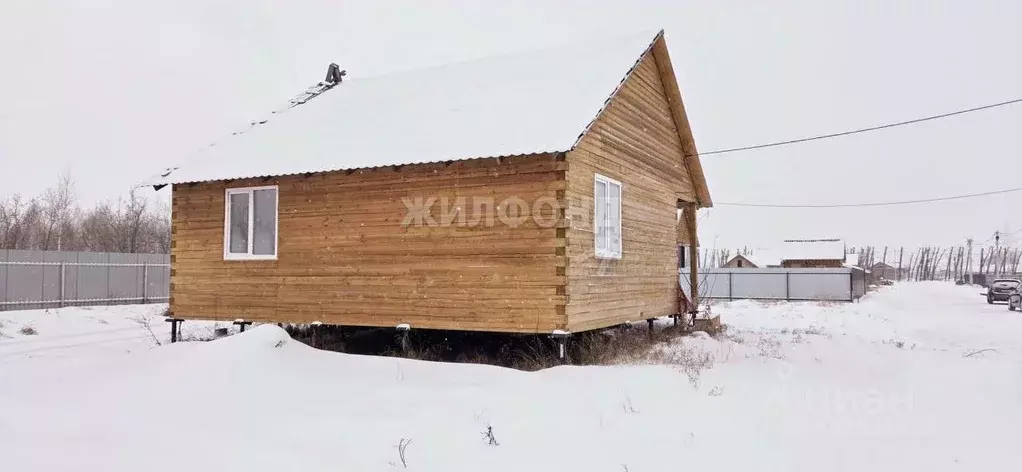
(534, 192)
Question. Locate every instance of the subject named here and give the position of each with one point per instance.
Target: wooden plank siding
(812, 263)
(345, 258)
(634, 140)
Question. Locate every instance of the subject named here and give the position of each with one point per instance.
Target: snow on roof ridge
(485, 107)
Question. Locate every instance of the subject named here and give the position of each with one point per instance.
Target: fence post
(730, 286)
(851, 285)
(42, 283)
(62, 284)
(7, 279)
(109, 268)
(787, 286)
(145, 283)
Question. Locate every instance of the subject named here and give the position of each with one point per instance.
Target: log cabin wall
(634, 141)
(345, 258)
(812, 263)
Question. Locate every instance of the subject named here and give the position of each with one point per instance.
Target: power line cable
(862, 130)
(875, 204)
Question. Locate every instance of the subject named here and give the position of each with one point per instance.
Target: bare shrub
(55, 221)
(716, 391)
(28, 330)
(815, 331)
(732, 334)
(402, 446)
(979, 351)
(146, 325)
(895, 343)
(532, 357)
(691, 361)
(489, 437)
(420, 351)
(619, 346)
(627, 405)
(770, 347)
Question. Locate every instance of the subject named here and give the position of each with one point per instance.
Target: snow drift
(887, 384)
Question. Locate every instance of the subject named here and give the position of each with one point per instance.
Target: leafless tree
(11, 213)
(57, 208)
(55, 221)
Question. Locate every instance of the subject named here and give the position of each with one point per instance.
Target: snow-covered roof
(813, 249)
(763, 258)
(852, 259)
(522, 103)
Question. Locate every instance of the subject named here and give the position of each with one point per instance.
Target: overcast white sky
(113, 90)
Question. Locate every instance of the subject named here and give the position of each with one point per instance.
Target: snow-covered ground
(922, 376)
(90, 331)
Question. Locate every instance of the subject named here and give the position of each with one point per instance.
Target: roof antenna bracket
(334, 74)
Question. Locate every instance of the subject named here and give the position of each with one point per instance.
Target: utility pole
(901, 252)
(997, 252)
(968, 261)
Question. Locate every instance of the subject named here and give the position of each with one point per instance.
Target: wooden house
(527, 193)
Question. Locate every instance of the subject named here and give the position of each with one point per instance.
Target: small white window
(607, 217)
(250, 223)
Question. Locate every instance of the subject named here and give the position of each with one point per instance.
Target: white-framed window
(250, 223)
(607, 217)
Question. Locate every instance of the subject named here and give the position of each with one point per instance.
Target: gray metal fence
(837, 284)
(45, 279)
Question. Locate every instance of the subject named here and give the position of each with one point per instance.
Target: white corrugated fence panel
(759, 285)
(774, 284)
(818, 285)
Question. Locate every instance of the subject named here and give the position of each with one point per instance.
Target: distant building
(797, 253)
(756, 259)
(740, 262)
(888, 271)
(817, 253)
